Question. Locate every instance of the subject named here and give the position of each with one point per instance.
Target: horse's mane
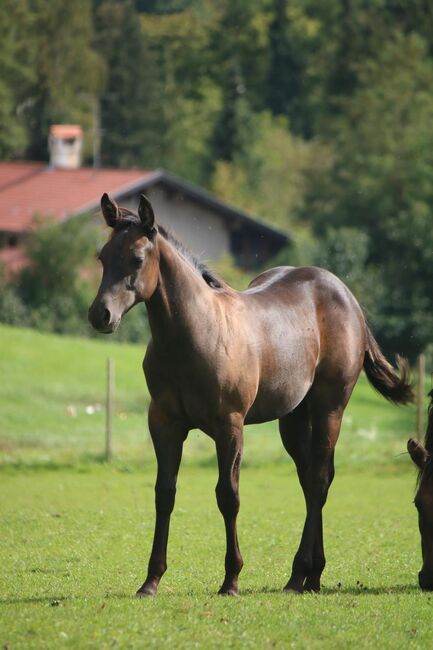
(127, 218)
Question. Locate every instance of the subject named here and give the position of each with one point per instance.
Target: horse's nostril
(106, 316)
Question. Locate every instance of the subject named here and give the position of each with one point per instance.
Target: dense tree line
(314, 114)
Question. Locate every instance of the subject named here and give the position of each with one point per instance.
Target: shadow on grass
(355, 590)
(54, 601)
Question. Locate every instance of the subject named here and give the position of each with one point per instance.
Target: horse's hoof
(228, 592)
(143, 592)
(289, 589)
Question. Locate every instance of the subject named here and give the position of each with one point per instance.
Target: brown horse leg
(309, 560)
(168, 441)
(295, 432)
(312, 580)
(229, 444)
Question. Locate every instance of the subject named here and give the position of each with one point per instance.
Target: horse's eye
(137, 261)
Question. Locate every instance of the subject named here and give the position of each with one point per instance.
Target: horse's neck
(181, 300)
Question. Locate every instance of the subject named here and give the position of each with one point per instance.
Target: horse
(422, 456)
(290, 347)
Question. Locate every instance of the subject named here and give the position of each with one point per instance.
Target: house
(208, 226)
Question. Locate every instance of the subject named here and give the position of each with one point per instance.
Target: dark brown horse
(290, 348)
(422, 456)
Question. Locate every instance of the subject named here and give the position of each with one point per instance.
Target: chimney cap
(66, 131)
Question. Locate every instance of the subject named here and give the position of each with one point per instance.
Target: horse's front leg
(229, 445)
(168, 438)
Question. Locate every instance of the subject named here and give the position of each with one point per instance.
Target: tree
(68, 72)
(268, 178)
(16, 75)
(186, 99)
(238, 44)
(129, 101)
(52, 287)
(381, 180)
(286, 74)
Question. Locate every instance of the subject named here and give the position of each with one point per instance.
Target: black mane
(128, 218)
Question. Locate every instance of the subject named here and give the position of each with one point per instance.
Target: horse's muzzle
(102, 320)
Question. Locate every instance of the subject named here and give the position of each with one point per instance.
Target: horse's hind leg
(295, 431)
(326, 416)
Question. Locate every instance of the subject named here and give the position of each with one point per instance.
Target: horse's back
(304, 287)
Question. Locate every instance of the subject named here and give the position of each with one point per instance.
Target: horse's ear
(417, 452)
(145, 212)
(109, 210)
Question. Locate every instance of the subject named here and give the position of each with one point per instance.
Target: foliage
(16, 75)
(269, 178)
(129, 95)
(68, 71)
(55, 291)
(12, 309)
(310, 114)
(382, 180)
(50, 294)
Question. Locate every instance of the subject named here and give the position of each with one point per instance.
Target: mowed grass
(74, 548)
(75, 533)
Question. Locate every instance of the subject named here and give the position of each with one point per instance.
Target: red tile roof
(31, 188)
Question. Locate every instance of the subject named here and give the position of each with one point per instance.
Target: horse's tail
(382, 375)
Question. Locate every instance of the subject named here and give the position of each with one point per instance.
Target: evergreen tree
(16, 76)
(129, 101)
(381, 181)
(286, 69)
(239, 65)
(67, 70)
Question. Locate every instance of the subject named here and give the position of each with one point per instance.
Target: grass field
(75, 533)
(74, 549)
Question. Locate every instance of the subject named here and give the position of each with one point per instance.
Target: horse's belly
(273, 402)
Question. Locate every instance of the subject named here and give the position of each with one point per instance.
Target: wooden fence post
(420, 397)
(109, 409)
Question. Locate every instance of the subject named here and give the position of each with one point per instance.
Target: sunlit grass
(74, 548)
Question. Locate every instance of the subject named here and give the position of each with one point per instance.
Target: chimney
(65, 143)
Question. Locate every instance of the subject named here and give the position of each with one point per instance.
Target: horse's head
(422, 456)
(130, 263)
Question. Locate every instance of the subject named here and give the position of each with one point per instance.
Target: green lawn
(75, 533)
(74, 548)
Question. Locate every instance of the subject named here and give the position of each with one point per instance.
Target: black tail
(382, 375)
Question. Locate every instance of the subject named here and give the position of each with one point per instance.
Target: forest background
(315, 115)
